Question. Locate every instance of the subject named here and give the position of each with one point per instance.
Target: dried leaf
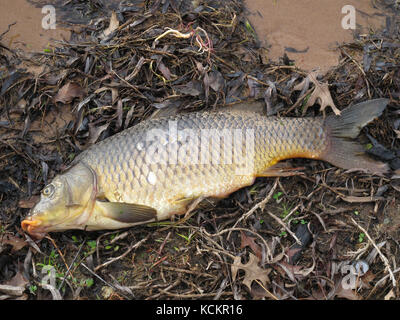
(192, 88)
(235, 267)
(216, 80)
(15, 242)
(95, 132)
(165, 71)
(136, 69)
(28, 203)
(114, 24)
(69, 92)
(15, 286)
(206, 81)
(252, 271)
(390, 295)
(17, 281)
(247, 241)
(321, 93)
(347, 293)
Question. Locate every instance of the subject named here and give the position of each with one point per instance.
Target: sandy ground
(312, 24)
(27, 33)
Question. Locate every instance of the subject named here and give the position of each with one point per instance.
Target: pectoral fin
(127, 212)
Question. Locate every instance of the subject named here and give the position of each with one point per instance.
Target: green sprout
(283, 234)
(188, 238)
(277, 195)
(285, 210)
(32, 289)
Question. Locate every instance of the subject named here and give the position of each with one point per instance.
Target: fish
(159, 167)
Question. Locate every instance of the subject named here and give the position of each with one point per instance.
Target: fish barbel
(155, 169)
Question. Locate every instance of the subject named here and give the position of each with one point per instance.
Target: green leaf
(277, 195)
(89, 282)
(92, 244)
(283, 234)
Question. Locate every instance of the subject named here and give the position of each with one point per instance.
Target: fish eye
(48, 190)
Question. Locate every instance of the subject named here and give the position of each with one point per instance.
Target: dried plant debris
(320, 93)
(252, 271)
(305, 235)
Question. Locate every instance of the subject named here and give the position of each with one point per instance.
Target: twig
(384, 259)
(239, 229)
(104, 281)
(59, 251)
(279, 220)
(134, 246)
(70, 266)
(8, 29)
(261, 204)
(378, 283)
(163, 244)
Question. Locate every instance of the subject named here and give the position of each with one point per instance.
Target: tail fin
(348, 154)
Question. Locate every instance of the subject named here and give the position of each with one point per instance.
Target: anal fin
(281, 170)
(127, 212)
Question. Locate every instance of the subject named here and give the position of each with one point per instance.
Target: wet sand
(27, 33)
(313, 26)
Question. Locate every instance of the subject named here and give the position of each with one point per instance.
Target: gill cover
(66, 203)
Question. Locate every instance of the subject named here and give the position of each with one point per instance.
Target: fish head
(65, 203)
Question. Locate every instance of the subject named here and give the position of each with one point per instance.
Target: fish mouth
(32, 226)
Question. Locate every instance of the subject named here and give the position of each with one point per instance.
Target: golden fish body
(161, 165)
(170, 165)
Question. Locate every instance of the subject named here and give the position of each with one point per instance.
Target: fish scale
(156, 182)
(158, 167)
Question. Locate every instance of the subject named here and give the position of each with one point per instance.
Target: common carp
(158, 167)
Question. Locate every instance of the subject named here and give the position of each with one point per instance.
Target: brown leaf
(346, 293)
(95, 132)
(17, 281)
(206, 81)
(247, 241)
(69, 92)
(136, 69)
(114, 24)
(192, 88)
(390, 295)
(15, 242)
(216, 80)
(165, 71)
(320, 94)
(28, 203)
(235, 267)
(15, 287)
(252, 271)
